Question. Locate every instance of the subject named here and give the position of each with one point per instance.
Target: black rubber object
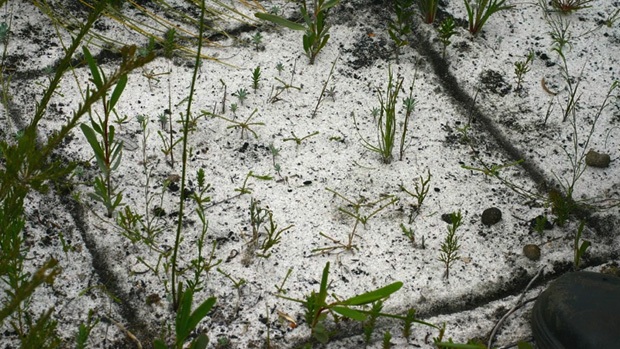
(579, 310)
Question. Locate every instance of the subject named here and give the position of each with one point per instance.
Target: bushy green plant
(108, 150)
(401, 27)
(317, 307)
(316, 27)
(449, 251)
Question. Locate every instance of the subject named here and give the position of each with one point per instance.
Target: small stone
(596, 159)
(491, 216)
(447, 217)
(532, 252)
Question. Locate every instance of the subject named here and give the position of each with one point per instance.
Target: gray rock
(596, 159)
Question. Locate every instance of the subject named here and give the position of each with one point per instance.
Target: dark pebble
(491, 216)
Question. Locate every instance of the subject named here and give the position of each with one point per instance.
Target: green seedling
(359, 217)
(449, 251)
(243, 125)
(363, 203)
(521, 68)
(568, 6)
(428, 8)
(492, 170)
(280, 68)
(187, 321)
(245, 189)
(236, 283)
(275, 152)
(81, 338)
(446, 30)
(274, 10)
(401, 27)
(320, 99)
(168, 146)
(387, 338)
(369, 325)
(409, 233)
(257, 40)
(540, 224)
(241, 95)
(317, 308)
(386, 123)
(331, 92)
(298, 140)
(579, 250)
(169, 44)
(272, 236)
(233, 108)
(409, 104)
(316, 28)
(107, 151)
(285, 86)
(255, 78)
(409, 319)
(421, 190)
(280, 288)
(479, 11)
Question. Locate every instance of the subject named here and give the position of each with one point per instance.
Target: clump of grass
(479, 12)
(568, 6)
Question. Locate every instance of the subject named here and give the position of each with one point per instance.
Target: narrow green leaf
(94, 70)
(182, 320)
(201, 342)
(331, 3)
(118, 90)
(323, 291)
(279, 21)
(200, 313)
(375, 295)
(350, 313)
(159, 344)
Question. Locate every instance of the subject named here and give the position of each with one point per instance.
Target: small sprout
(375, 112)
(255, 78)
(163, 120)
(409, 233)
(274, 10)
(233, 108)
(331, 92)
(241, 95)
(387, 337)
(409, 104)
(521, 68)
(279, 68)
(257, 39)
(141, 119)
(298, 140)
(169, 44)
